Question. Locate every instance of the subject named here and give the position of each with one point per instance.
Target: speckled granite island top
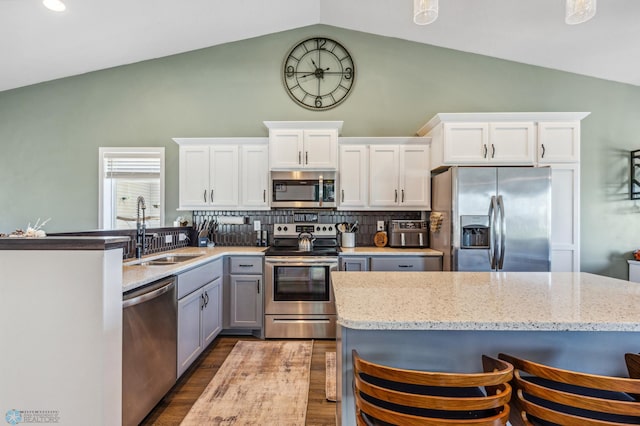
(558, 301)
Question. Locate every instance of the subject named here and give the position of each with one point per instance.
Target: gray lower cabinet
(246, 299)
(406, 263)
(353, 263)
(199, 311)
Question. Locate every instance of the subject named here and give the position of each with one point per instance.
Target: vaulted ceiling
(38, 45)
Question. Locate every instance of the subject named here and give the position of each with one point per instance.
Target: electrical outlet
(380, 225)
(168, 239)
(182, 237)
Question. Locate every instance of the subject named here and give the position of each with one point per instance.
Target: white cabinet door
(255, 176)
(194, 176)
(224, 175)
(321, 149)
(212, 311)
(246, 301)
(559, 142)
(189, 333)
(565, 214)
(353, 175)
(384, 168)
(511, 143)
(466, 143)
(286, 147)
(415, 176)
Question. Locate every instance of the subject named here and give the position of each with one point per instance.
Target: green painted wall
(50, 132)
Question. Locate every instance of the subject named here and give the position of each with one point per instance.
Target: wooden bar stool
(545, 395)
(392, 396)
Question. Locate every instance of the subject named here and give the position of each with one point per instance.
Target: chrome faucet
(141, 227)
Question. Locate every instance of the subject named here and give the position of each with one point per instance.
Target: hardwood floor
(176, 404)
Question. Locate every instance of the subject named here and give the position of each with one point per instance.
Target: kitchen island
(446, 320)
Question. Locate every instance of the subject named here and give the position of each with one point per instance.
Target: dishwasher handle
(153, 291)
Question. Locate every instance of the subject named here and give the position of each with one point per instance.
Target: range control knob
(324, 228)
(286, 229)
(317, 228)
(279, 228)
(330, 228)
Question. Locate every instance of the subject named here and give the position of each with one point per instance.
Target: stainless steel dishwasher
(149, 345)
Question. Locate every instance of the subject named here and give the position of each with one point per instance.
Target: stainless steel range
(299, 298)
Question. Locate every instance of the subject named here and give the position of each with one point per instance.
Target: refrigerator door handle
(503, 232)
(492, 232)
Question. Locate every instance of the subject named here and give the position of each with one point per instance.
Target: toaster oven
(408, 233)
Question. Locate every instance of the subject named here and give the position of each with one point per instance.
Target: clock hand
(315, 72)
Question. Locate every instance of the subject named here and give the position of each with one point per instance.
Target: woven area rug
(330, 376)
(260, 383)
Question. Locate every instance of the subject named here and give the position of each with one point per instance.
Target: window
(125, 174)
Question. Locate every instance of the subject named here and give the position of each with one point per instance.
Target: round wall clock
(318, 73)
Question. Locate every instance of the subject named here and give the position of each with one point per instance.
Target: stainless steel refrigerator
(492, 218)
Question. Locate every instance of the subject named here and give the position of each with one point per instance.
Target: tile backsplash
(244, 235)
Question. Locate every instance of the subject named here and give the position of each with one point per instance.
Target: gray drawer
(406, 263)
(191, 280)
(245, 265)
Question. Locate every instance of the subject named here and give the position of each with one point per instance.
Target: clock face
(318, 73)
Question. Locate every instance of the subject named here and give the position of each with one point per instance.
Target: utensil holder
(348, 239)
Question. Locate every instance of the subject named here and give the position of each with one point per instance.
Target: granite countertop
(552, 301)
(388, 251)
(134, 276)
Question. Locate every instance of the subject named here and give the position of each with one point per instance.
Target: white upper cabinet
(415, 177)
(223, 173)
(353, 176)
(559, 142)
(488, 143)
(297, 145)
(194, 176)
(208, 176)
(501, 138)
(255, 176)
(384, 173)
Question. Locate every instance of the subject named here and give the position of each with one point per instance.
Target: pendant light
(579, 11)
(55, 5)
(425, 11)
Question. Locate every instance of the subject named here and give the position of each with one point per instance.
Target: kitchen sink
(169, 259)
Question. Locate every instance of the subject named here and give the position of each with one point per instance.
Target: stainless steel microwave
(303, 189)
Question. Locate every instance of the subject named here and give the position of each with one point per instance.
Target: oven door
(299, 285)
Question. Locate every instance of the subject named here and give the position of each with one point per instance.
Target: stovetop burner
(285, 240)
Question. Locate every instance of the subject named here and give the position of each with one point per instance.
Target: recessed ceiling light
(55, 5)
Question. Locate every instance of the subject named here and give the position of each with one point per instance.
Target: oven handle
(300, 261)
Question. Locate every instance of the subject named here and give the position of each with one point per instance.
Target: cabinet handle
(206, 299)
(306, 157)
(403, 198)
(258, 286)
(264, 195)
(202, 301)
(205, 195)
(299, 157)
(485, 150)
(342, 195)
(395, 199)
(405, 266)
(493, 151)
(245, 265)
(211, 196)
(543, 150)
